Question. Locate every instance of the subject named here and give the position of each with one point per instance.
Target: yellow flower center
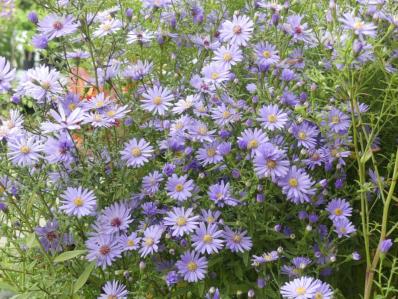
(157, 100)
(207, 238)
(2, 190)
(179, 187)
(112, 297)
(343, 230)
(293, 182)
(100, 104)
(179, 125)
(192, 266)
(136, 152)
(271, 164)
(226, 114)
(130, 243)
(111, 113)
(227, 57)
(78, 201)
(358, 25)
(252, 144)
(181, 221)
(202, 130)
(46, 85)
(215, 76)
(237, 29)
(237, 238)
(210, 219)
(267, 54)
(335, 119)
(211, 152)
(338, 212)
(300, 291)
(149, 241)
(72, 106)
(302, 135)
(25, 149)
(106, 27)
(272, 118)
(318, 295)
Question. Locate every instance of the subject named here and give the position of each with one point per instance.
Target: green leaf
(81, 281)
(68, 255)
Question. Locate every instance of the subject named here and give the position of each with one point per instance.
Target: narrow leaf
(68, 255)
(81, 281)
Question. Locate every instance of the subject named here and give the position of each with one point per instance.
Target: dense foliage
(182, 149)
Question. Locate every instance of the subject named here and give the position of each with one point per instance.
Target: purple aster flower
(40, 41)
(140, 36)
(181, 221)
(289, 98)
(32, 17)
(136, 153)
(267, 54)
(338, 121)
(54, 26)
(339, 208)
(324, 291)
(210, 216)
(78, 55)
(172, 278)
(43, 84)
(108, 26)
(228, 55)
(49, 236)
(238, 31)
(192, 266)
(129, 242)
(224, 115)
(359, 27)
(209, 154)
(300, 288)
(24, 150)
(199, 131)
(179, 188)
(266, 257)
(343, 227)
(151, 182)
(385, 245)
(237, 241)
(298, 31)
(269, 161)
(220, 193)
(288, 75)
(115, 218)
(251, 139)
(272, 118)
(7, 74)
(297, 185)
(208, 239)
(103, 249)
(78, 202)
(157, 100)
(305, 134)
(63, 121)
(150, 240)
(113, 290)
(138, 70)
(215, 73)
(59, 149)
